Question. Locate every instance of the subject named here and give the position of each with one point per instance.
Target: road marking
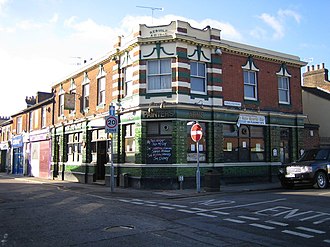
(137, 203)
(218, 212)
(327, 241)
(207, 215)
(263, 226)
(164, 204)
(310, 230)
(166, 207)
(249, 204)
(151, 205)
(319, 214)
(178, 206)
(247, 218)
(235, 221)
(276, 223)
(200, 209)
(187, 211)
(320, 221)
(298, 234)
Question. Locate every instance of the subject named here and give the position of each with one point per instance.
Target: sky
(43, 41)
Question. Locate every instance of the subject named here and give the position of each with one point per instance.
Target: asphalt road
(46, 214)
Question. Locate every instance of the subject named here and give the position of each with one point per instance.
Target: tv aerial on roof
(152, 10)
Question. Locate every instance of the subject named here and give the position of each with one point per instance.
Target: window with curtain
(101, 90)
(128, 81)
(61, 105)
(159, 75)
(250, 85)
(283, 90)
(85, 96)
(198, 77)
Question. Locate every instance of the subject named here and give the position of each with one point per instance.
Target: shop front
(18, 157)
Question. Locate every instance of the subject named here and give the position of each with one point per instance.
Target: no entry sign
(196, 132)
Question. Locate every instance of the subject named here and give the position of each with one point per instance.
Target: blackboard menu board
(159, 150)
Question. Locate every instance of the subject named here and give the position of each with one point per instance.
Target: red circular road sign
(196, 132)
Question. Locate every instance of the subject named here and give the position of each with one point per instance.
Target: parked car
(312, 168)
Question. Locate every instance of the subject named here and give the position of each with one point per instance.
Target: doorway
(101, 160)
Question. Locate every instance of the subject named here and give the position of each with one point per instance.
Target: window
(192, 146)
(73, 91)
(128, 81)
(283, 90)
(250, 85)
(74, 147)
(43, 117)
(19, 126)
(61, 105)
(31, 120)
(85, 97)
(159, 75)
(101, 90)
(130, 143)
(159, 142)
(198, 77)
(243, 144)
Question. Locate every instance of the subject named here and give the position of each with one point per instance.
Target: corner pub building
(159, 78)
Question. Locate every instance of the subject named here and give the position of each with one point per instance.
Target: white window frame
(101, 82)
(128, 81)
(19, 124)
(43, 116)
(282, 89)
(86, 97)
(61, 105)
(31, 118)
(250, 83)
(198, 76)
(161, 75)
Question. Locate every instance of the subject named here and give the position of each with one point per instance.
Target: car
(312, 168)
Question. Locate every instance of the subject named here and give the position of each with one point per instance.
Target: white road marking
(235, 221)
(321, 221)
(319, 214)
(263, 226)
(137, 203)
(247, 218)
(310, 230)
(207, 215)
(151, 205)
(187, 211)
(200, 209)
(327, 241)
(166, 207)
(218, 212)
(179, 206)
(249, 204)
(324, 193)
(276, 223)
(164, 204)
(298, 234)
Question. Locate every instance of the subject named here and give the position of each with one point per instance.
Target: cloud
(277, 23)
(47, 56)
(228, 31)
(2, 5)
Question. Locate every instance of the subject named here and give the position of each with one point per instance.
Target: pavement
(119, 192)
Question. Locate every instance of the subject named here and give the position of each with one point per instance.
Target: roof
(322, 93)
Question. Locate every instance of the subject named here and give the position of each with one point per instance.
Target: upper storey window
(85, 92)
(198, 77)
(159, 75)
(283, 85)
(250, 80)
(101, 86)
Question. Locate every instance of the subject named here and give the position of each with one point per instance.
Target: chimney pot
(312, 67)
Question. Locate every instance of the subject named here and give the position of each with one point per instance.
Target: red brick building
(247, 99)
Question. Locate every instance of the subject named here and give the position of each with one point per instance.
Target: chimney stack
(315, 77)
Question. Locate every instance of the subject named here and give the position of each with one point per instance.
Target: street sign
(111, 124)
(196, 132)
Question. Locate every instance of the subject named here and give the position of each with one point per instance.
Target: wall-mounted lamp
(200, 104)
(162, 105)
(150, 109)
(218, 51)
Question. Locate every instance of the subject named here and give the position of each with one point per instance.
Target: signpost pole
(198, 174)
(112, 175)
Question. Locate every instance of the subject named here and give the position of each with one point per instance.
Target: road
(42, 214)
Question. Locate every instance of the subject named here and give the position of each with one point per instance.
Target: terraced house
(159, 78)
